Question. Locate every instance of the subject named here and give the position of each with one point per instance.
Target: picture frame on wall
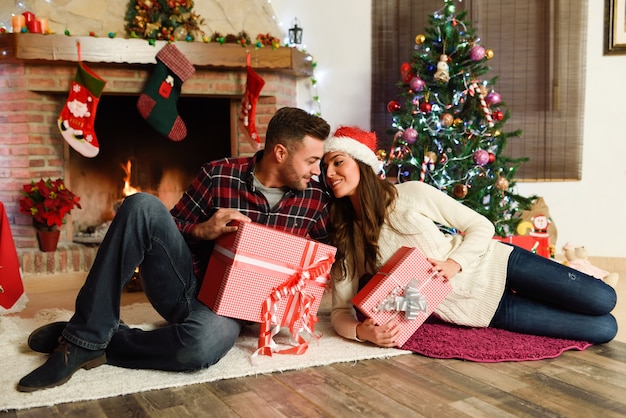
(615, 27)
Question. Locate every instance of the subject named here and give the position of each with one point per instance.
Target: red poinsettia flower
(48, 202)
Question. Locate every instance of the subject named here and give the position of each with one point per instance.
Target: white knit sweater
(477, 288)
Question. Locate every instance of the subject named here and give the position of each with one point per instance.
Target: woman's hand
(218, 224)
(381, 335)
(446, 269)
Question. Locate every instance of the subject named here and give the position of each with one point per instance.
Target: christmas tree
(448, 122)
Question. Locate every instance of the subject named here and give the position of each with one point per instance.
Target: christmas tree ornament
(497, 115)
(493, 98)
(502, 183)
(405, 72)
(426, 107)
(410, 136)
(393, 106)
(446, 119)
(417, 84)
(460, 191)
(419, 39)
(489, 53)
(254, 85)
(442, 74)
(481, 157)
(158, 102)
(477, 53)
(492, 158)
(76, 121)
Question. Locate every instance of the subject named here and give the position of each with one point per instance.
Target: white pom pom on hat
(357, 143)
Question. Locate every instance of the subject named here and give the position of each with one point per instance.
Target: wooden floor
(591, 383)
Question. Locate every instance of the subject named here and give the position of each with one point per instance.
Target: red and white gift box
(265, 275)
(538, 244)
(406, 288)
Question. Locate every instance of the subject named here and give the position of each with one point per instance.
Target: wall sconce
(295, 34)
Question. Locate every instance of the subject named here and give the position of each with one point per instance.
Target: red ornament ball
(497, 115)
(393, 106)
(426, 107)
(492, 158)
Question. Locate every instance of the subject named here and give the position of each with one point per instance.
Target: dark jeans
(544, 297)
(144, 234)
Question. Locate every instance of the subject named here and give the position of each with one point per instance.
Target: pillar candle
(18, 23)
(44, 26)
(35, 26)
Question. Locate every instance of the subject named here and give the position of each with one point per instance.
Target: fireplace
(36, 73)
(149, 162)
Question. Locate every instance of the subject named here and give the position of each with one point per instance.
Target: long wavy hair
(376, 198)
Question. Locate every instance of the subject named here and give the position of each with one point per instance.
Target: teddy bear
(576, 258)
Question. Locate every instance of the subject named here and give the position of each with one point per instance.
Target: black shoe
(46, 338)
(60, 366)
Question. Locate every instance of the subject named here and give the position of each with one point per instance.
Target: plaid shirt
(228, 183)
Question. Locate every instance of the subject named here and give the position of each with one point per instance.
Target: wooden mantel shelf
(30, 47)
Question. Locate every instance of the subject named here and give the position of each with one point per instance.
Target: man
(274, 188)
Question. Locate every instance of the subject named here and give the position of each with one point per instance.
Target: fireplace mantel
(27, 47)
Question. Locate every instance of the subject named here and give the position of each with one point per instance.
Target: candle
(35, 26)
(18, 23)
(44, 26)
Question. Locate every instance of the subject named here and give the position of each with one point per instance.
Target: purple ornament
(481, 157)
(410, 136)
(493, 98)
(417, 84)
(477, 53)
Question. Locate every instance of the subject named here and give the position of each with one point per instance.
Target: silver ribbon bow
(408, 300)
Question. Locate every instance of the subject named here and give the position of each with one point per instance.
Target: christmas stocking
(254, 85)
(157, 104)
(76, 121)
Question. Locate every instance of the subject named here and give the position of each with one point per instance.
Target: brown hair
(376, 198)
(290, 125)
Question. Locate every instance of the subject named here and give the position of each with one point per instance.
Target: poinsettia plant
(48, 202)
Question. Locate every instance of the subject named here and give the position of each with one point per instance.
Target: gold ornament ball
(457, 122)
(447, 120)
(460, 191)
(502, 183)
(489, 53)
(419, 39)
(381, 154)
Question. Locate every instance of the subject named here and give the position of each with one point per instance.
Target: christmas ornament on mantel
(448, 122)
(168, 20)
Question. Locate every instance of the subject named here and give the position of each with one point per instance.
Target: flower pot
(48, 240)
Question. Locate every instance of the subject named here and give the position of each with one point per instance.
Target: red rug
(438, 339)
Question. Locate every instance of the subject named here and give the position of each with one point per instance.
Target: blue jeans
(144, 234)
(547, 298)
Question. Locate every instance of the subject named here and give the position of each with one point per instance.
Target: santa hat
(357, 143)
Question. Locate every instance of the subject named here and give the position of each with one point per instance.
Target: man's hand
(218, 224)
(446, 269)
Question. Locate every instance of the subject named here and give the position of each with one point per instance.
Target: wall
(587, 212)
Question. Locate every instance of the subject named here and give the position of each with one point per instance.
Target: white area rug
(17, 360)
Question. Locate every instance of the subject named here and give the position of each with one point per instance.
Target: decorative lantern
(295, 34)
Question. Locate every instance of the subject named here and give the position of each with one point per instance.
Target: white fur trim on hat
(355, 149)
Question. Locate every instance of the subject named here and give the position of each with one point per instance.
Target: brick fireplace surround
(34, 69)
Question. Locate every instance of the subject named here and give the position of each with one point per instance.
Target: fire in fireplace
(132, 154)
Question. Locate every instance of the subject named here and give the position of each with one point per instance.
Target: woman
(494, 284)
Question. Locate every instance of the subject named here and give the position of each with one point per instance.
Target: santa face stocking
(76, 121)
(157, 104)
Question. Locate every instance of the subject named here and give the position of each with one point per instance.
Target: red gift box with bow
(405, 289)
(265, 275)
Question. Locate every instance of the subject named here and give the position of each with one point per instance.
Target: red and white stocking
(254, 85)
